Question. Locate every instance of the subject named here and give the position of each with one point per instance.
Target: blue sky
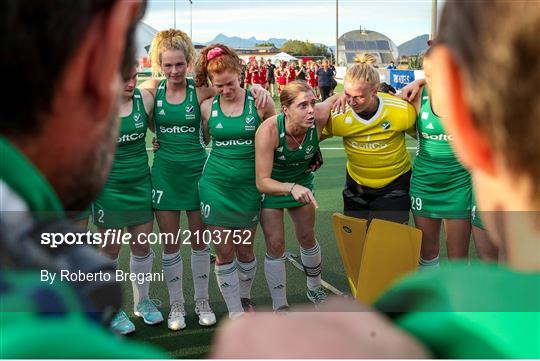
(314, 20)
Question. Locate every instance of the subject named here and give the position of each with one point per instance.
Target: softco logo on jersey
(138, 120)
(226, 143)
(440, 137)
(177, 129)
(372, 145)
(130, 137)
(250, 121)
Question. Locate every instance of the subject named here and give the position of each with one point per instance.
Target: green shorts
(124, 205)
(441, 196)
(174, 183)
(283, 202)
(228, 206)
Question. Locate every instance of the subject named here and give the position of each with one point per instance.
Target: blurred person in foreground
(57, 142)
(460, 311)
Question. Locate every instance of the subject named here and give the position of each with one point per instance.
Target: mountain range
(237, 42)
(414, 46)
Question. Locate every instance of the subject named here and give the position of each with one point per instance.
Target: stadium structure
(366, 41)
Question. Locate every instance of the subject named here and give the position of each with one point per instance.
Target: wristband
(290, 192)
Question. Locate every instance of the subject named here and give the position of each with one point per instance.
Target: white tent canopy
(144, 34)
(282, 56)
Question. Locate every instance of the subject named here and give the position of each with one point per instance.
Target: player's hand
(155, 144)
(316, 161)
(340, 105)
(410, 91)
(261, 95)
(303, 195)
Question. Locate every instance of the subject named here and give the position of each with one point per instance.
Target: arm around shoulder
(150, 85)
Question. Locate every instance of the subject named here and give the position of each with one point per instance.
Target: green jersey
(469, 311)
(291, 165)
(440, 186)
(232, 159)
(131, 159)
(178, 126)
(126, 199)
(434, 148)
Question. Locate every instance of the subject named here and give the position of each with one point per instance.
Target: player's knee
(140, 249)
(306, 238)
(275, 249)
(245, 255)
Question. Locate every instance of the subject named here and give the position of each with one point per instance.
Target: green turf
(194, 341)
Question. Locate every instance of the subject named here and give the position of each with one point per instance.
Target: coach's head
(486, 80)
(62, 65)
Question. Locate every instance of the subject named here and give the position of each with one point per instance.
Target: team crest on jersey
(137, 117)
(309, 149)
(385, 125)
(250, 121)
(348, 120)
(190, 108)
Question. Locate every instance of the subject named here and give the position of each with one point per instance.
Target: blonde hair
(366, 58)
(363, 71)
(171, 39)
(291, 91)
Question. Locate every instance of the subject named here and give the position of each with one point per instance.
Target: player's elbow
(262, 184)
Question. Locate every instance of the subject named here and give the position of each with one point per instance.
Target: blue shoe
(149, 312)
(121, 324)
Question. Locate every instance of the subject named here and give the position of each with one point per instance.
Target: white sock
(228, 283)
(426, 264)
(274, 270)
(138, 265)
(173, 272)
(311, 259)
(246, 274)
(200, 268)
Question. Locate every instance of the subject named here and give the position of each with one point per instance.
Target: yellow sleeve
(411, 116)
(328, 131)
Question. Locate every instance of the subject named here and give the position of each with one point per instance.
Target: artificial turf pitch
(195, 341)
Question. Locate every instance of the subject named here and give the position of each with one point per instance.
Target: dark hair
(39, 37)
(496, 45)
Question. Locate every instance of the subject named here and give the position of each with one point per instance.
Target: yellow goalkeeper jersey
(376, 151)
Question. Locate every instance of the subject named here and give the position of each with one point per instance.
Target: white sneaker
(205, 313)
(177, 314)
